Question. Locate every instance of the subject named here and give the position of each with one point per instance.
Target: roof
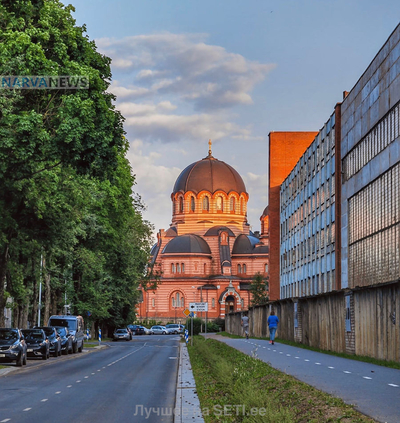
(216, 230)
(247, 244)
(209, 174)
(189, 243)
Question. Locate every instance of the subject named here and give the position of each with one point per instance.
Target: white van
(75, 328)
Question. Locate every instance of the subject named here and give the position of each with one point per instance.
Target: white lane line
(265, 347)
(366, 377)
(318, 364)
(27, 409)
(44, 400)
(5, 420)
(78, 381)
(297, 357)
(58, 392)
(330, 367)
(280, 352)
(93, 373)
(392, 384)
(274, 350)
(173, 358)
(306, 360)
(99, 370)
(288, 355)
(69, 386)
(345, 371)
(86, 377)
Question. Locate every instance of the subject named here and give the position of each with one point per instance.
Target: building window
(213, 303)
(348, 315)
(220, 204)
(180, 204)
(205, 268)
(173, 302)
(192, 204)
(266, 268)
(172, 268)
(178, 268)
(232, 204)
(244, 268)
(241, 206)
(183, 267)
(239, 268)
(182, 302)
(153, 302)
(206, 203)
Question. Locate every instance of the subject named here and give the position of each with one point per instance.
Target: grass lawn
(252, 391)
(391, 364)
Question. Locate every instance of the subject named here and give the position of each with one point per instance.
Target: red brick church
(208, 254)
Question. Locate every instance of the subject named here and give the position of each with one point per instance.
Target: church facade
(209, 253)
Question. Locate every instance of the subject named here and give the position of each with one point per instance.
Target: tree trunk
(35, 296)
(24, 315)
(3, 283)
(47, 295)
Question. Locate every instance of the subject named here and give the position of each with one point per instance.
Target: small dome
(187, 244)
(265, 212)
(211, 175)
(246, 244)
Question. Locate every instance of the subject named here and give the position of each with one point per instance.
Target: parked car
(37, 343)
(160, 330)
(54, 339)
(147, 331)
(140, 330)
(121, 334)
(132, 328)
(174, 328)
(66, 340)
(12, 346)
(75, 328)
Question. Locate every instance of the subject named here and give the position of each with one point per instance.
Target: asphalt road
(125, 382)
(374, 390)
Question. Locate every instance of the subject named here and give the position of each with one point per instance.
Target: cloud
(206, 76)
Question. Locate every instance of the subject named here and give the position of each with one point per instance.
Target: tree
(259, 290)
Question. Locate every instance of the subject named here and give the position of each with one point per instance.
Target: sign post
(99, 336)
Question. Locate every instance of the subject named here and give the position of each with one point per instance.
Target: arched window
(242, 301)
(241, 206)
(244, 268)
(232, 204)
(213, 303)
(206, 203)
(177, 299)
(239, 268)
(220, 204)
(192, 204)
(173, 302)
(178, 268)
(180, 204)
(182, 302)
(266, 268)
(153, 302)
(172, 268)
(183, 267)
(205, 268)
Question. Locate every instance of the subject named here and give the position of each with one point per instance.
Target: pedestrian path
(187, 404)
(373, 390)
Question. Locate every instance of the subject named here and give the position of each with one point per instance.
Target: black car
(12, 346)
(37, 343)
(54, 339)
(66, 340)
(140, 330)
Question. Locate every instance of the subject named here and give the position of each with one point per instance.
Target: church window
(177, 299)
(242, 301)
(183, 267)
(173, 302)
(220, 204)
(180, 204)
(182, 302)
(178, 268)
(172, 267)
(192, 204)
(241, 206)
(239, 268)
(206, 203)
(213, 303)
(232, 204)
(205, 268)
(153, 302)
(266, 268)
(244, 268)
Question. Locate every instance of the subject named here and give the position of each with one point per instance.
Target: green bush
(199, 325)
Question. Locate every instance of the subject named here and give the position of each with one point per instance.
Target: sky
(186, 71)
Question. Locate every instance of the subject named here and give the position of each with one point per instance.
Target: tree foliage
(259, 290)
(65, 183)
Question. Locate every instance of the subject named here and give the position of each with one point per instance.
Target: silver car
(159, 330)
(121, 334)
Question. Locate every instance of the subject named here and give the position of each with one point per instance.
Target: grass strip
(365, 359)
(233, 387)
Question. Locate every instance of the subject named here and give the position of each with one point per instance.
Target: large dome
(209, 174)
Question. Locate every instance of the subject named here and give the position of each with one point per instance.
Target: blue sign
(191, 314)
(99, 335)
(186, 336)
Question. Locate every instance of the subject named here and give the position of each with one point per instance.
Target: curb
(187, 404)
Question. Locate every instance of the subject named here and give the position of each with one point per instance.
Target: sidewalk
(187, 404)
(373, 390)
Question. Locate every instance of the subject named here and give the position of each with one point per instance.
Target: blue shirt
(273, 321)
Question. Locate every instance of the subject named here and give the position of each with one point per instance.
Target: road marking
(366, 377)
(265, 347)
(274, 350)
(306, 360)
(93, 373)
(27, 409)
(330, 367)
(280, 352)
(58, 392)
(318, 364)
(5, 420)
(297, 357)
(99, 370)
(392, 384)
(173, 358)
(69, 386)
(78, 381)
(86, 377)
(44, 400)
(288, 355)
(345, 371)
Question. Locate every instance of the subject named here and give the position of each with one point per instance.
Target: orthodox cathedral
(209, 253)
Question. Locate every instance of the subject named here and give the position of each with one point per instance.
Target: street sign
(198, 306)
(186, 312)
